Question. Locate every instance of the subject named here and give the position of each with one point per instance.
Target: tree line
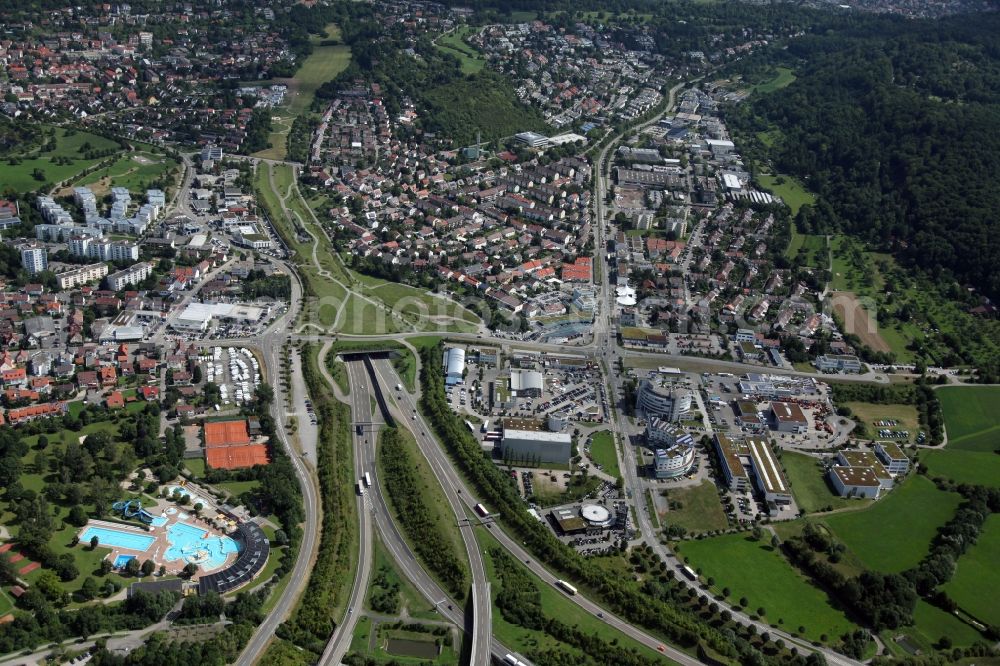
(312, 622)
(426, 534)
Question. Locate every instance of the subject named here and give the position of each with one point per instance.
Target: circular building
(596, 515)
(673, 462)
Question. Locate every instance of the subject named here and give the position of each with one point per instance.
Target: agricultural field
(699, 509)
(895, 532)
(976, 582)
(70, 149)
(971, 417)
(787, 598)
(930, 624)
(604, 452)
(453, 43)
(974, 467)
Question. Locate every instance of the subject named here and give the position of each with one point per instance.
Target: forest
(893, 125)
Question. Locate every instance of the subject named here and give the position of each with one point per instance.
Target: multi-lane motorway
(364, 461)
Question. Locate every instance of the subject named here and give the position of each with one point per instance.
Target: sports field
(754, 570)
(976, 584)
(971, 416)
(896, 531)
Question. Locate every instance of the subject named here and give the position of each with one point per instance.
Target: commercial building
(76, 277)
(869, 460)
(788, 417)
(751, 461)
(662, 399)
(838, 363)
(673, 462)
(196, 317)
(892, 457)
(532, 139)
(454, 366)
(526, 383)
(855, 481)
(526, 441)
(735, 474)
(661, 433)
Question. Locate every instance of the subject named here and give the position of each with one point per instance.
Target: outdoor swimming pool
(189, 543)
(158, 521)
(122, 560)
(117, 539)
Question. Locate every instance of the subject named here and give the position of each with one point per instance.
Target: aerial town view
(501, 332)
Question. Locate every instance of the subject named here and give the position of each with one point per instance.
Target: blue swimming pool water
(122, 560)
(189, 543)
(117, 539)
(158, 521)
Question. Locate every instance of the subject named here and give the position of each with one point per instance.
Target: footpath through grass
(895, 533)
(754, 570)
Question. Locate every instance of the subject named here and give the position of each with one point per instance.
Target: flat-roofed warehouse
(568, 521)
(527, 441)
(855, 481)
(788, 417)
(751, 460)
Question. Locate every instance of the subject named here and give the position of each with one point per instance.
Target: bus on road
(481, 510)
(566, 587)
(368, 480)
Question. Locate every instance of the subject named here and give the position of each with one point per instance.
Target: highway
(446, 472)
(482, 607)
(364, 461)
